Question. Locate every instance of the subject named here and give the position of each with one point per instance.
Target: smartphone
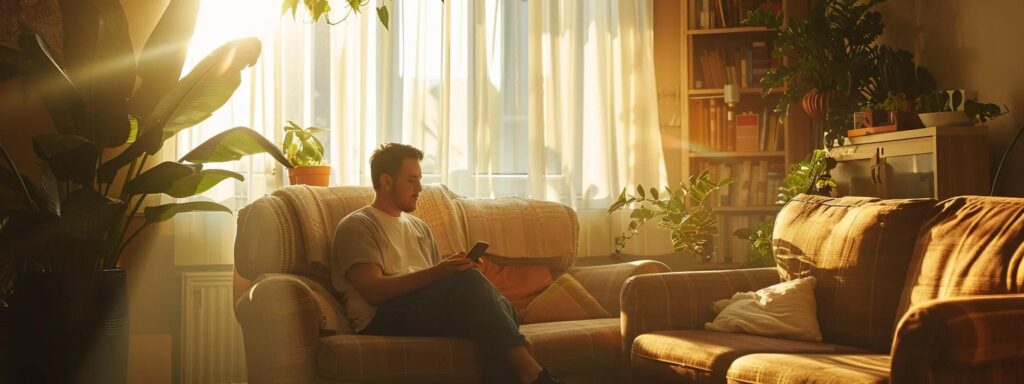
(477, 251)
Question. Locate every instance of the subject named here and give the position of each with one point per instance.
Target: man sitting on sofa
(393, 282)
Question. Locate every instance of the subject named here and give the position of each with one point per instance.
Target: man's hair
(388, 159)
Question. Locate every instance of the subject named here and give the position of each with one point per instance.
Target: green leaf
(640, 191)
(200, 182)
(165, 212)
(287, 5)
(654, 193)
(112, 78)
(163, 56)
(59, 94)
(71, 157)
(205, 89)
(158, 179)
(87, 214)
(106, 172)
(232, 145)
(382, 15)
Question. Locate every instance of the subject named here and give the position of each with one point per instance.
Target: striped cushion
(971, 245)
(859, 249)
(705, 356)
(564, 300)
(810, 368)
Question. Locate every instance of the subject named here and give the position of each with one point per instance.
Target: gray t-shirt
(399, 245)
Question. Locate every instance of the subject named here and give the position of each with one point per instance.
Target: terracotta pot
(816, 102)
(317, 175)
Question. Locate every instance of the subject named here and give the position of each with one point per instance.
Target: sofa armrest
(283, 317)
(604, 282)
(972, 338)
(682, 300)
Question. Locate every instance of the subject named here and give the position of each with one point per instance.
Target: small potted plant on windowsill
(306, 153)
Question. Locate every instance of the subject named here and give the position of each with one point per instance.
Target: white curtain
(551, 100)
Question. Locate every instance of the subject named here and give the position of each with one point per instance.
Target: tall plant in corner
(97, 169)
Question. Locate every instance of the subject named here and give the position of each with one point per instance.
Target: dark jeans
(464, 305)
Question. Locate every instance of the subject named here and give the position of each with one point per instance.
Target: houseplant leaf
(205, 89)
(113, 81)
(59, 94)
(70, 157)
(87, 214)
(232, 145)
(164, 55)
(158, 179)
(164, 212)
(200, 182)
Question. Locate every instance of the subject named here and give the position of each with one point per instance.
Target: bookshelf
(750, 146)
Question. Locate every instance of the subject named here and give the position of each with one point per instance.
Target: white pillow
(785, 310)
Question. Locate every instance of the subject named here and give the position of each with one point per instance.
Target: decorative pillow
(785, 310)
(519, 283)
(565, 299)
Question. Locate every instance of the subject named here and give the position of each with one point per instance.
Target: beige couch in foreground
(294, 328)
(909, 291)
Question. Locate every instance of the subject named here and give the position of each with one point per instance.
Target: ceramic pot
(944, 119)
(816, 102)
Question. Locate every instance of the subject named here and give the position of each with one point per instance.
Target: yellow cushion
(565, 299)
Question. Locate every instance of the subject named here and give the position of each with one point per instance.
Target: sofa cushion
(520, 284)
(522, 231)
(403, 359)
(859, 249)
(696, 356)
(785, 310)
(971, 245)
(564, 300)
(810, 368)
(574, 346)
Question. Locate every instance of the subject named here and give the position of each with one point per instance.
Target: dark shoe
(545, 377)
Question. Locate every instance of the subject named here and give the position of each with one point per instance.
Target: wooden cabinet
(936, 162)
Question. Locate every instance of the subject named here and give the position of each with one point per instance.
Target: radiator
(211, 339)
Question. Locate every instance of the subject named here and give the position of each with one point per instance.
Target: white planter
(945, 119)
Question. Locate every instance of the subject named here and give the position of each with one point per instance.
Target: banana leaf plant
(95, 169)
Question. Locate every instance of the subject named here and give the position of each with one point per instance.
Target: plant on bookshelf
(687, 212)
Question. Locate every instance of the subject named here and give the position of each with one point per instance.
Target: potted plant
(684, 211)
(62, 237)
(894, 110)
(955, 107)
(832, 65)
(306, 154)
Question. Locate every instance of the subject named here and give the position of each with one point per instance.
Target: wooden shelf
(720, 91)
(751, 209)
(726, 31)
(738, 155)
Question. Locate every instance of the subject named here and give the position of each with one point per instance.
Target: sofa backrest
(858, 249)
(291, 230)
(970, 245)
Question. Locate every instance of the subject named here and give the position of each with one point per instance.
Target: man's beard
(403, 205)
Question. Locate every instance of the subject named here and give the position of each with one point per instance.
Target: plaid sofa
(908, 291)
(294, 328)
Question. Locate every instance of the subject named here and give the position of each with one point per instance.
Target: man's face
(406, 187)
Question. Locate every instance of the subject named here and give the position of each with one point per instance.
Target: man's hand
(377, 289)
(453, 265)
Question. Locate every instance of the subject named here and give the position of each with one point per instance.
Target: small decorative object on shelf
(955, 107)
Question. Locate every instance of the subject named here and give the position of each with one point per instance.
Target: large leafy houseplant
(95, 169)
(685, 211)
(832, 62)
